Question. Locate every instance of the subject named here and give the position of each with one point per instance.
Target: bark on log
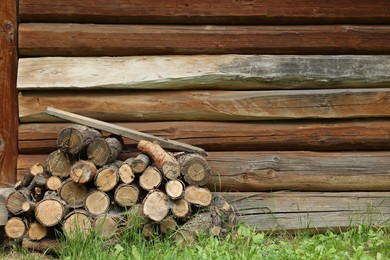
(174, 189)
(50, 211)
(181, 209)
(77, 223)
(83, 171)
(104, 151)
(125, 171)
(164, 161)
(53, 183)
(73, 193)
(341, 135)
(107, 178)
(59, 163)
(97, 203)
(36, 231)
(156, 205)
(139, 164)
(76, 138)
(210, 105)
(233, 72)
(198, 196)
(40, 39)
(126, 195)
(15, 228)
(150, 179)
(195, 169)
(168, 225)
(46, 245)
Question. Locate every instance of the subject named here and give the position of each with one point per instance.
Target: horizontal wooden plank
(40, 39)
(237, 136)
(208, 105)
(271, 171)
(293, 211)
(236, 72)
(201, 11)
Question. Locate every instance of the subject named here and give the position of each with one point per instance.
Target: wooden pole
(8, 93)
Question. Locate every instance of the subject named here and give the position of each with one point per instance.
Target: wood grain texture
(294, 211)
(236, 136)
(201, 11)
(207, 105)
(294, 170)
(40, 39)
(236, 72)
(8, 93)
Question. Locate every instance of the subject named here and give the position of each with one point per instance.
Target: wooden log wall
(295, 96)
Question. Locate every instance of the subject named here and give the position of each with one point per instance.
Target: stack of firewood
(84, 187)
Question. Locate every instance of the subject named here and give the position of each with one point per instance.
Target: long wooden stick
(125, 132)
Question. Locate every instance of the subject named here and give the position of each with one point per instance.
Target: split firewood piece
(198, 196)
(181, 208)
(164, 161)
(76, 223)
(83, 171)
(136, 216)
(150, 179)
(53, 183)
(174, 189)
(73, 193)
(16, 199)
(103, 151)
(106, 226)
(147, 230)
(97, 202)
(140, 163)
(36, 231)
(76, 138)
(156, 205)
(195, 169)
(168, 225)
(126, 174)
(126, 195)
(15, 228)
(51, 210)
(58, 163)
(107, 178)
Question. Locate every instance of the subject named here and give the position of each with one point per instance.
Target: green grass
(361, 242)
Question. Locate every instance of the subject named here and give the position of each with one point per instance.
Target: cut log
(198, 224)
(53, 183)
(156, 205)
(140, 163)
(136, 216)
(126, 173)
(18, 185)
(147, 230)
(174, 189)
(76, 224)
(51, 210)
(28, 207)
(105, 226)
(97, 203)
(164, 161)
(73, 193)
(57, 39)
(76, 138)
(126, 195)
(234, 72)
(198, 196)
(150, 179)
(59, 163)
(331, 135)
(195, 169)
(107, 178)
(83, 171)
(168, 225)
(39, 181)
(104, 151)
(181, 209)
(15, 228)
(210, 105)
(32, 172)
(36, 231)
(16, 199)
(47, 246)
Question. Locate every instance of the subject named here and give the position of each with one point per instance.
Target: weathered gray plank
(310, 210)
(207, 105)
(204, 72)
